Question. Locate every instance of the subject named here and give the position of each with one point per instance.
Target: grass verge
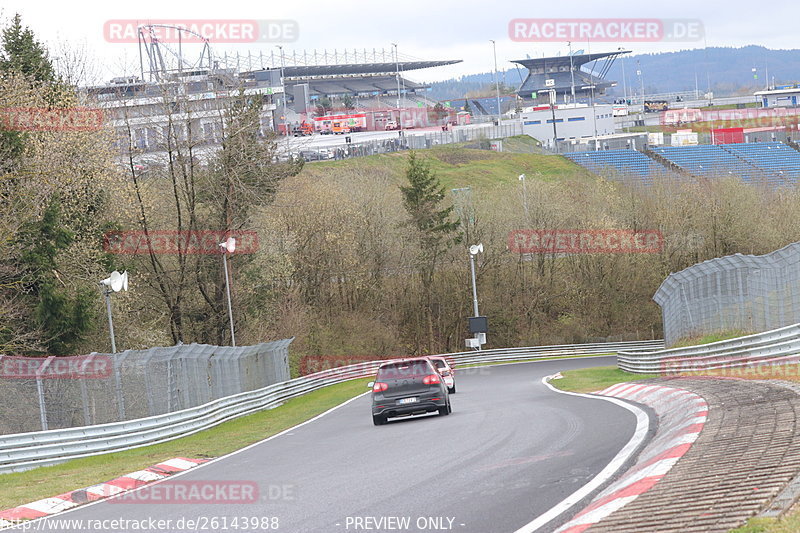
(708, 339)
(595, 378)
(787, 524)
(24, 487)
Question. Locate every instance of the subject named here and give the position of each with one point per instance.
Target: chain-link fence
(52, 393)
(415, 141)
(733, 293)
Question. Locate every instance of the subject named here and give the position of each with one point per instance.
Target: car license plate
(407, 400)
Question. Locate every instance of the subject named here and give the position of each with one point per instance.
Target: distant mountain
(725, 70)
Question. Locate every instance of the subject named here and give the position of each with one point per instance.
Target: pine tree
(63, 317)
(437, 232)
(22, 53)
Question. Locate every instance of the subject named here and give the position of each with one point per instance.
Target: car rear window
(404, 370)
(439, 363)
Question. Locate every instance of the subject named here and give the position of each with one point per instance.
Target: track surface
(510, 451)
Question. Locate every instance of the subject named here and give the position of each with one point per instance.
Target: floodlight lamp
(228, 246)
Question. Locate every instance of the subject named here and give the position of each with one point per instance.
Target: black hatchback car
(408, 387)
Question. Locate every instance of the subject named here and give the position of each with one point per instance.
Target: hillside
(460, 167)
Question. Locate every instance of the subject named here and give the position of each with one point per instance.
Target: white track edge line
(194, 469)
(639, 435)
(26, 525)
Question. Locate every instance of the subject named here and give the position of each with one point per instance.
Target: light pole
(553, 113)
(397, 77)
(474, 250)
(524, 195)
(229, 246)
(114, 283)
(496, 83)
(571, 72)
(283, 84)
(641, 79)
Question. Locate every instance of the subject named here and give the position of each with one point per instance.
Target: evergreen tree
(437, 232)
(22, 53)
(63, 318)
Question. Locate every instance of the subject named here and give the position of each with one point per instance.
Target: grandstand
(566, 75)
(367, 76)
(711, 161)
(484, 105)
(775, 158)
(626, 164)
(773, 163)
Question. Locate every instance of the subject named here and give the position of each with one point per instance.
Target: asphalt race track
(510, 451)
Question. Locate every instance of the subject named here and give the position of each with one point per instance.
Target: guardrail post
(40, 393)
(42, 409)
(118, 386)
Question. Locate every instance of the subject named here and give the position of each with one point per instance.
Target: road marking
(172, 463)
(639, 435)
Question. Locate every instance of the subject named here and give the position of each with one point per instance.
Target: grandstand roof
(313, 71)
(575, 60)
(564, 71)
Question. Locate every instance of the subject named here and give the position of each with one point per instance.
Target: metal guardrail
(23, 451)
(776, 346)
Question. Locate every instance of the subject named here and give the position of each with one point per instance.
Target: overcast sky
(430, 29)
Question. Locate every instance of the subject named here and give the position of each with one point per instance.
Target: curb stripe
(682, 415)
(62, 502)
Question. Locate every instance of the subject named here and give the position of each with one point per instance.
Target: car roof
(404, 360)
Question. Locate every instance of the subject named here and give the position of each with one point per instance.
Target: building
(572, 122)
(189, 102)
(567, 77)
(786, 96)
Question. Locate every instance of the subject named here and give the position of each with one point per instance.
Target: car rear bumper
(389, 408)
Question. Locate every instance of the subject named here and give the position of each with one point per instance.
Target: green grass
(460, 167)
(730, 106)
(787, 524)
(522, 144)
(708, 339)
(24, 487)
(595, 379)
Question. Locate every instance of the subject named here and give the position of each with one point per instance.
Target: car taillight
(379, 387)
(431, 379)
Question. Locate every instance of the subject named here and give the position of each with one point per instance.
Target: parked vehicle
(408, 387)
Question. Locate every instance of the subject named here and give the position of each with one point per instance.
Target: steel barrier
(23, 451)
(776, 346)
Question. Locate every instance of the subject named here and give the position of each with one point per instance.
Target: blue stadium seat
(623, 164)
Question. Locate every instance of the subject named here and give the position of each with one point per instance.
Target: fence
(133, 384)
(767, 352)
(416, 141)
(732, 293)
(28, 450)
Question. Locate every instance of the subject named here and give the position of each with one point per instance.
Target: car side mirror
(370, 384)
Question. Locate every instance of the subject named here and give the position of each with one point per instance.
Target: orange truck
(340, 124)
